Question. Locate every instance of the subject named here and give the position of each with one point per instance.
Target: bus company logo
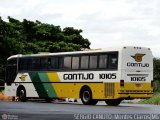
(138, 57)
(23, 77)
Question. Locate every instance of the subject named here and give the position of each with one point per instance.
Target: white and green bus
(109, 75)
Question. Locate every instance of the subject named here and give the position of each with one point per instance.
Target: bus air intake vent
(109, 89)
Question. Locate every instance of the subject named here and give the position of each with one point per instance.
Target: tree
(27, 37)
(156, 65)
(156, 77)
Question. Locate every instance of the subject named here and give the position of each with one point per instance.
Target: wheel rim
(86, 96)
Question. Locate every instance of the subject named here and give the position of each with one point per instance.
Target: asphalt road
(76, 111)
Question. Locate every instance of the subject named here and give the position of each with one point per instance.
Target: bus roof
(113, 49)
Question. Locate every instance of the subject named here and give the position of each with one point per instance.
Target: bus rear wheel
(113, 102)
(86, 97)
(22, 94)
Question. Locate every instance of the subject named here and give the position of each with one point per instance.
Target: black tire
(114, 102)
(94, 102)
(86, 97)
(49, 100)
(22, 95)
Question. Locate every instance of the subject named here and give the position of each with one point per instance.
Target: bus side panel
(72, 90)
(43, 85)
(24, 79)
(10, 90)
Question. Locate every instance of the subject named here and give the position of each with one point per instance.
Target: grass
(154, 100)
(3, 97)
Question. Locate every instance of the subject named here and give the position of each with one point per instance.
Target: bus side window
(29, 64)
(67, 62)
(84, 62)
(60, 62)
(75, 62)
(23, 64)
(49, 65)
(53, 63)
(44, 63)
(35, 64)
(93, 62)
(113, 61)
(103, 61)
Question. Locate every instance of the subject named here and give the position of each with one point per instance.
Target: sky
(105, 23)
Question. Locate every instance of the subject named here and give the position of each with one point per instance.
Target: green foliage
(1, 89)
(156, 65)
(156, 77)
(28, 37)
(154, 100)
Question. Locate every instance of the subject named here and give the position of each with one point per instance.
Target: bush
(154, 100)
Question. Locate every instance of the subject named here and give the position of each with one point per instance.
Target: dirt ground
(3, 97)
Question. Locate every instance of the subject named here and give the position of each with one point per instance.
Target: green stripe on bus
(48, 86)
(38, 86)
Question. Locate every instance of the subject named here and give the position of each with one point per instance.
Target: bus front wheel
(86, 97)
(22, 94)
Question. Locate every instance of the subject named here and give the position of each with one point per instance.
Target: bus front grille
(109, 89)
